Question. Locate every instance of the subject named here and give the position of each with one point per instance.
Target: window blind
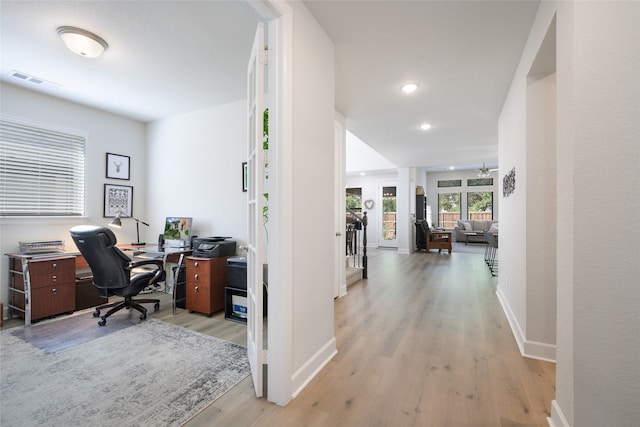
(41, 171)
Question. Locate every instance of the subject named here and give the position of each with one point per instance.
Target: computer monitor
(178, 228)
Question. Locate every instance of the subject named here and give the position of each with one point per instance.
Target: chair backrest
(425, 226)
(108, 264)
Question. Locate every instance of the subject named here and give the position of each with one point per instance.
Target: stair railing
(355, 226)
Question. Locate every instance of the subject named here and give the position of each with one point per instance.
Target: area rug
(471, 248)
(150, 374)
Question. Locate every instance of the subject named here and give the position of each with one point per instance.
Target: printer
(213, 247)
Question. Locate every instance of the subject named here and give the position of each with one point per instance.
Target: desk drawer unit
(52, 283)
(205, 282)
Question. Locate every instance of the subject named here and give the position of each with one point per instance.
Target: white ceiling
(171, 57)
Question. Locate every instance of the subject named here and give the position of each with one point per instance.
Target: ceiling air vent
(33, 79)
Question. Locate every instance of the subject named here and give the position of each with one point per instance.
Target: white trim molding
(557, 418)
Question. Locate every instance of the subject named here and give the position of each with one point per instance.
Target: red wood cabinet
(52, 281)
(205, 278)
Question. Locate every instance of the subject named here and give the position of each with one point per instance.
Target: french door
(256, 204)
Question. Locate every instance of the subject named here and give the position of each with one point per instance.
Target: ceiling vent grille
(33, 79)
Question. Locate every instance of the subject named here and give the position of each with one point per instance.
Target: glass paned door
(389, 224)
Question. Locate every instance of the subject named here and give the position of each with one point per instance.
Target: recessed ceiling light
(425, 126)
(82, 42)
(451, 168)
(362, 174)
(409, 88)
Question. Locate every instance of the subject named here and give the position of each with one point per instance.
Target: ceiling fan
(484, 172)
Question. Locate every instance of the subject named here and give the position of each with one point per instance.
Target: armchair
(113, 271)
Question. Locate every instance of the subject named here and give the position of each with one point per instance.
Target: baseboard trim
(540, 351)
(404, 252)
(310, 369)
(511, 318)
(531, 349)
(557, 418)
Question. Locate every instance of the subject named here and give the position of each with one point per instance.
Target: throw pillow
(494, 228)
(467, 226)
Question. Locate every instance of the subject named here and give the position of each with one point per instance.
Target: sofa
(473, 225)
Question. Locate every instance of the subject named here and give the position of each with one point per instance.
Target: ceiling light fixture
(82, 42)
(425, 126)
(484, 171)
(409, 88)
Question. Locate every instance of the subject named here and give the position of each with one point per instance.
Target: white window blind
(41, 171)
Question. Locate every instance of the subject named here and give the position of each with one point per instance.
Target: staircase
(356, 262)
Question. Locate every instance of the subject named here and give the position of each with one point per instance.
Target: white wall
(312, 198)
(602, 120)
(527, 142)
(106, 133)
(432, 190)
(195, 169)
(597, 155)
(369, 185)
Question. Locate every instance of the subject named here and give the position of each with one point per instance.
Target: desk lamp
(118, 224)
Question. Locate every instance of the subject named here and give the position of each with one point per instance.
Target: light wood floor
(422, 342)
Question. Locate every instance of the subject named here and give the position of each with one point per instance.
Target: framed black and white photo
(118, 166)
(118, 199)
(245, 176)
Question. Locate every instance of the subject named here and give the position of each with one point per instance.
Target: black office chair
(113, 271)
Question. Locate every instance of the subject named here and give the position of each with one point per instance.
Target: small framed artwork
(118, 166)
(245, 176)
(118, 199)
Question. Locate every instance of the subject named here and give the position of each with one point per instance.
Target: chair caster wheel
(102, 322)
(143, 316)
(156, 307)
(96, 313)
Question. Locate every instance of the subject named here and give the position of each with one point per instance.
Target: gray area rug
(471, 248)
(150, 374)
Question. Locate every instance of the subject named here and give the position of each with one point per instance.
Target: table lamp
(117, 223)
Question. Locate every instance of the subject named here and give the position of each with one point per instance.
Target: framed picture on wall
(245, 176)
(118, 199)
(118, 166)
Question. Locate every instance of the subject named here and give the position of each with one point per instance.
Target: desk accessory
(117, 223)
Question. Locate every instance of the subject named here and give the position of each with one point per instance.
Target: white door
(340, 275)
(388, 217)
(255, 199)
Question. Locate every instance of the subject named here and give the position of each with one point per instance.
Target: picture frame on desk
(118, 166)
(118, 199)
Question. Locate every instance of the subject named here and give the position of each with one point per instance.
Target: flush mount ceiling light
(82, 42)
(409, 88)
(425, 126)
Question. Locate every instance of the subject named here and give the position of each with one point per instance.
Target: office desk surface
(171, 255)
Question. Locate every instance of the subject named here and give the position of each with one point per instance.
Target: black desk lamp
(118, 224)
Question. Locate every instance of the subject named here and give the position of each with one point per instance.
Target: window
(450, 183)
(480, 205)
(479, 182)
(41, 171)
(448, 209)
(354, 199)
